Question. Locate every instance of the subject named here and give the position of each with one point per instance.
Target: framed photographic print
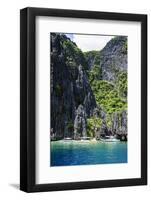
(83, 99)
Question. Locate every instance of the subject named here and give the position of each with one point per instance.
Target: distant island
(88, 90)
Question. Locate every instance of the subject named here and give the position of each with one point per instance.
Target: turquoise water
(87, 153)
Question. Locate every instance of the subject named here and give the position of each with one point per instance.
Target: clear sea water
(87, 153)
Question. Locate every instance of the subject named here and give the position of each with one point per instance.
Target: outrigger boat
(109, 139)
(67, 139)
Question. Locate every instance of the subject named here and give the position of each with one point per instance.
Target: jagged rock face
(115, 123)
(119, 123)
(80, 123)
(124, 122)
(104, 128)
(83, 92)
(114, 58)
(92, 58)
(72, 99)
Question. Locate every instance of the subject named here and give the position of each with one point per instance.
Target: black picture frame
(28, 98)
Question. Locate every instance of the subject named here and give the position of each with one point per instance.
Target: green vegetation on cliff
(92, 56)
(121, 84)
(94, 74)
(93, 124)
(73, 55)
(111, 96)
(107, 96)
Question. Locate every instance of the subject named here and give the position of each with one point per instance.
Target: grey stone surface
(114, 58)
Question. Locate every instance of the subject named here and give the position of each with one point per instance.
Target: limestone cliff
(88, 90)
(72, 99)
(114, 58)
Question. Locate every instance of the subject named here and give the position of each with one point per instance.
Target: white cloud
(91, 42)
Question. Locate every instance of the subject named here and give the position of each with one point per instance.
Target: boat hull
(109, 140)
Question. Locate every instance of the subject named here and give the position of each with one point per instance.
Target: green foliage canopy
(93, 124)
(74, 56)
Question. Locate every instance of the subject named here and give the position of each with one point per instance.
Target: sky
(90, 42)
